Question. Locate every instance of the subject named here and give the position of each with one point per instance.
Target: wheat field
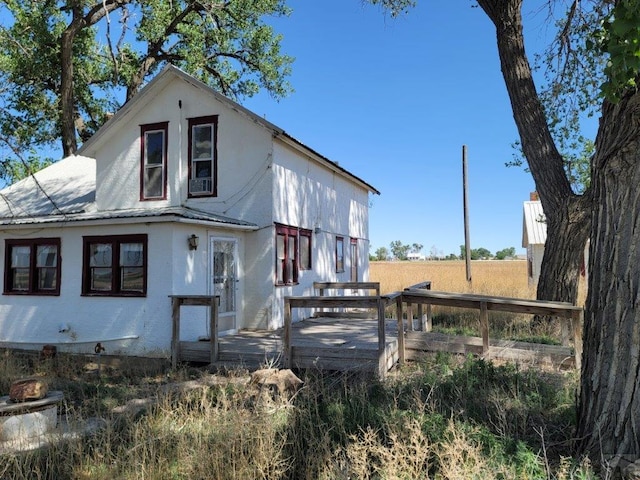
(506, 278)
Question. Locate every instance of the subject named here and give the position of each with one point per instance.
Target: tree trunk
(609, 403)
(567, 234)
(566, 213)
(67, 113)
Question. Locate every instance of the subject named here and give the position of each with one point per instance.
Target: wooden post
(410, 327)
(382, 343)
(578, 321)
(175, 332)
(400, 330)
(429, 325)
(287, 333)
(213, 328)
(465, 205)
(484, 327)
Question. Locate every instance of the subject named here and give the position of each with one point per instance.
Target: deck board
(351, 344)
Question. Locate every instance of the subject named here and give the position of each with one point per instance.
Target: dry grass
(503, 278)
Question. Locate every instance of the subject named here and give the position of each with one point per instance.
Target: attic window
(32, 267)
(153, 174)
(203, 167)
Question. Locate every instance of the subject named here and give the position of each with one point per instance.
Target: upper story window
(153, 174)
(115, 265)
(32, 267)
(339, 254)
(203, 168)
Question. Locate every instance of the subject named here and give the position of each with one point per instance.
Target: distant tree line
(400, 251)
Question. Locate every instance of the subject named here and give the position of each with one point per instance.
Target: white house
(182, 192)
(534, 236)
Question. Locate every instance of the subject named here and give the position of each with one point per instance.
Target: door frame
(237, 289)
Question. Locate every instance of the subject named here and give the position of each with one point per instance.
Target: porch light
(193, 242)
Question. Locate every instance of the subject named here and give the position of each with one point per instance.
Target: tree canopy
(65, 65)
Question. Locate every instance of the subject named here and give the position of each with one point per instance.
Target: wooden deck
(327, 343)
(335, 344)
(339, 337)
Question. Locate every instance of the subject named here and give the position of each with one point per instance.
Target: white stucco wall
(30, 321)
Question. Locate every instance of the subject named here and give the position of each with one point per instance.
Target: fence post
(484, 327)
(400, 329)
(175, 331)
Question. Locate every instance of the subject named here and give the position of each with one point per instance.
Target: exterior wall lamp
(193, 242)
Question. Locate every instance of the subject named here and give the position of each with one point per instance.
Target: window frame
(116, 242)
(197, 122)
(339, 254)
(292, 234)
(144, 130)
(33, 244)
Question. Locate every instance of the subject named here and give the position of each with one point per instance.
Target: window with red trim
(32, 266)
(293, 253)
(203, 167)
(153, 174)
(115, 265)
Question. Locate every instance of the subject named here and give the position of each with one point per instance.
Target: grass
(503, 278)
(445, 417)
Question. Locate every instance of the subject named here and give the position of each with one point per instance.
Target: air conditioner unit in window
(200, 185)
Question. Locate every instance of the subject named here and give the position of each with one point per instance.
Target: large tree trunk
(566, 213)
(568, 231)
(609, 403)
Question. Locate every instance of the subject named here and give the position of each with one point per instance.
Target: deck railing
(210, 301)
(571, 327)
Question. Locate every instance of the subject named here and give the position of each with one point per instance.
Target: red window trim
(116, 241)
(206, 120)
(288, 233)
(340, 267)
(33, 243)
(164, 126)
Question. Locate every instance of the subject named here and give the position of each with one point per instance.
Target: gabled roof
(167, 74)
(534, 225)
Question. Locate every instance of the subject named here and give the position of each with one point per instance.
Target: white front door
(224, 280)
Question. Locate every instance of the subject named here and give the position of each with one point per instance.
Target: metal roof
(534, 225)
(65, 192)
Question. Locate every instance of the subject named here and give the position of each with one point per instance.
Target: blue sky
(394, 100)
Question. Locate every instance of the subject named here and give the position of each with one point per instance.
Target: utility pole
(465, 206)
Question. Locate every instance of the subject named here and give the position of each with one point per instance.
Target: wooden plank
(577, 324)
(175, 331)
(213, 329)
(401, 347)
(333, 302)
(484, 326)
(348, 285)
(287, 333)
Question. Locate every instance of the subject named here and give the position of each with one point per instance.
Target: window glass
(339, 254)
(131, 267)
(46, 266)
(20, 263)
(101, 268)
(305, 250)
(202, 142)
(154, 161)
(280, 258)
